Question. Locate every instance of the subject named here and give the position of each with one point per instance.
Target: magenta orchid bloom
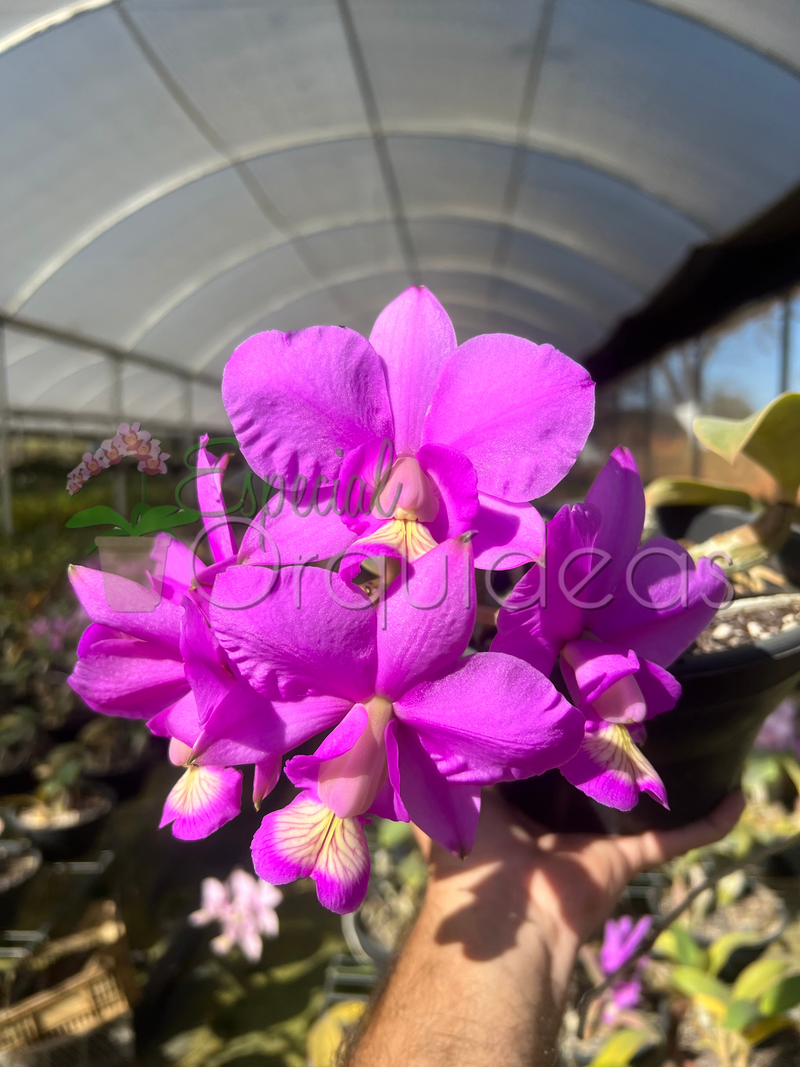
(614, 616)
(393, 445)
(417, 730)
(621, 938)
(166, 666)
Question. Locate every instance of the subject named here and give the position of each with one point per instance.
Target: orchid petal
(294, 399)
(123, 676)
(666, 603)
(545, 611)
(660, 689)
(305, 840)
(211, 502)
(182, 568)
(611, 769)
(446, 811)
(429, 617)
(492, 719)
(414, 336)
(309, 633)
(201, 801)
(507, 534)
(287, 533)
(177, 721)
(210, 681)
(618, 495)
(456, 485)
(520, 412)
(162, 625)
(306, 772)
(265, 778)
(591, 668)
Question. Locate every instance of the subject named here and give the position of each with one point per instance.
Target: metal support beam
(786, 344)
(6, 500)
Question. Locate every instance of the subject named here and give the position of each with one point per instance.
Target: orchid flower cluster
(408, 456)
(621, 939)
(244, 907)
(127, 441)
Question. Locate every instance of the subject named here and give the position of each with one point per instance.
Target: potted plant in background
(115, 753)
(126, 550)
(65, 814)
(17, 745)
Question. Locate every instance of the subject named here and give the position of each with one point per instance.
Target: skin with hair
(483, 976)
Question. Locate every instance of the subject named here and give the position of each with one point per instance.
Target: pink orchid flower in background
(131, 436)
(392, 445)
(166, 666)
(613, 616)
(621, 938)
(94, 463)
(244, 907)
(417, 729)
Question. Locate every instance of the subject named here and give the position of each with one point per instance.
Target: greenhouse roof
(178, 174)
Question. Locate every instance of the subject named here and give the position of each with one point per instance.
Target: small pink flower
(77, 478)
(154, 464)
(94, 463)
(114, 449)
(132, 436)
(245, 908)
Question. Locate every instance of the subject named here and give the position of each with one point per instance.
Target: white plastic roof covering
(178, 174)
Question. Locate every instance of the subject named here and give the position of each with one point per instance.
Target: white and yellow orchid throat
(406, 497)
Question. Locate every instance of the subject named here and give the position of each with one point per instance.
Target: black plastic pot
(124, 781)
(18, 779)
(698, 748)
(67, 842)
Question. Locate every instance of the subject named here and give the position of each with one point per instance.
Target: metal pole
(6, 504)
(786, 343)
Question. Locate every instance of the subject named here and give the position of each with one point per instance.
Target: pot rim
(775, 647)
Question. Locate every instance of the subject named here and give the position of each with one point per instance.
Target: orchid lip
(622, 702)
(348, 784)
(408, 493)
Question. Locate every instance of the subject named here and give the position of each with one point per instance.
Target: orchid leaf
(721, 951)
(98, 516)
(677, 944)
(781, 997)
(165, 517)
(757, 978)
(770, 437)
(620, 1048)
(740, 1015)
(702, 987)
(663, 492)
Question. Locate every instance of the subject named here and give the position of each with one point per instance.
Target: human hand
(520, 878)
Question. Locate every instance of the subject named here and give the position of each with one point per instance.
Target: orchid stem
(663, 924)
(144, 490)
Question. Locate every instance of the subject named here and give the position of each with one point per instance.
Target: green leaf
(677, 944)
(662, 492)
(740, 1014)
(620, 1048)
(781, 997)
(164, 517)
(769, 437)
(757, 978)
(694, 982)
(98, 516)
(720, 952)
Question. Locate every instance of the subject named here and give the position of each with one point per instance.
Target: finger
(423, 841)
(657, 846)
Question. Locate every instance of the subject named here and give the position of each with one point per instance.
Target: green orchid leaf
(757, 978)
(720, 952)
(620, 1048)
(664, 492)
(781, 997)
(740, 1014)
(694, 982)
(677, 944)
(98, 516)
(770, 437)
(186, 517)
(164, 517)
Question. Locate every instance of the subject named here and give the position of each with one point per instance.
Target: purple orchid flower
(393, 445)
(244, 907)
(621, 938)
(166, 666)
(613, 616)
(417, 730)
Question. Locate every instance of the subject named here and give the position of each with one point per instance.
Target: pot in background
(66, 842)
(22, 864)
(698, 748)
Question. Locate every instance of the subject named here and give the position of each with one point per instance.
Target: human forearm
(478, 983)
